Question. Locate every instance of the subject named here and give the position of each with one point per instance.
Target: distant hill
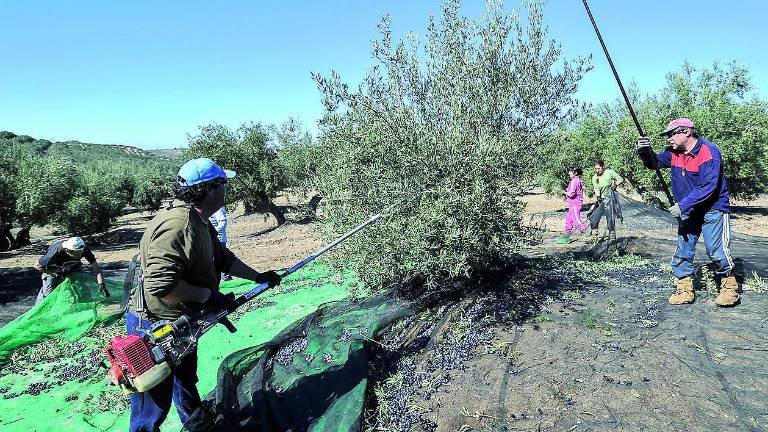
(169, 154)
(89, 152)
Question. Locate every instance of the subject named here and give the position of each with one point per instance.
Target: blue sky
(146, 73)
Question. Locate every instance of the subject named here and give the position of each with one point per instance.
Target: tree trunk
(22, 238)
(277, 213)
(4, 243)
(248, 207)
(314, 202)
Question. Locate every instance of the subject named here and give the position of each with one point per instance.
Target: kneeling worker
(181, 261)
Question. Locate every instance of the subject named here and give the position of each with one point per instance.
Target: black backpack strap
(129, 283)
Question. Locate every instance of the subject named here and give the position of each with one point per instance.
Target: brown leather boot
(684, 292)
(729, 292)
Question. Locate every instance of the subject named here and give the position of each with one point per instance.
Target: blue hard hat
(201, 170)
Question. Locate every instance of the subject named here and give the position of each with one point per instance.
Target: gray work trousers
(604, 209)
(50, 282)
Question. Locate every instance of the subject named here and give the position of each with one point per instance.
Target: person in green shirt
(182, 261)
(605, 181)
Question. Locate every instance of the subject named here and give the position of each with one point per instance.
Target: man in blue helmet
(181, 261)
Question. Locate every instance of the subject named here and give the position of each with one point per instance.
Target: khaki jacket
(178, 245)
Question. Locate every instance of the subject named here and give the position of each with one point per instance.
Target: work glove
(269, 277)
(103, 289)
(675, 210)
(646, 153)
(643, 144)
(218, 301)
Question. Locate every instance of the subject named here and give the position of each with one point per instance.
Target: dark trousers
(149, 409)
(605, 208)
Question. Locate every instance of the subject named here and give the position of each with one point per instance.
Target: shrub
(446, 133)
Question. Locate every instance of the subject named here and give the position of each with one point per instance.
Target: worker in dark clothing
(63, 258)
(181, 261)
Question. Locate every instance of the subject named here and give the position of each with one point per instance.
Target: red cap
(676, 123)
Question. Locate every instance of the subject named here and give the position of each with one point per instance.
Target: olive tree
(297, 153)
(102, 192)
(43, 183)
(445, 133)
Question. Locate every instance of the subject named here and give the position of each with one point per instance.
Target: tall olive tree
(297, 152)
(446, 131)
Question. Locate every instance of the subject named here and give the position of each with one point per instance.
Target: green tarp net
(69, 312)
(51, 380)
(310, 377)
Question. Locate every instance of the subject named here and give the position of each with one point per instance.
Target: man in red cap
(702, 204)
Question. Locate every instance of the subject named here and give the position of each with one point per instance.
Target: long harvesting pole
(626, 100)
(210, 319)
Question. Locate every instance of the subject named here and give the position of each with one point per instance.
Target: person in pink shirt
(574, 197)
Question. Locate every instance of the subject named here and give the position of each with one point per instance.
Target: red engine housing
(129, 357)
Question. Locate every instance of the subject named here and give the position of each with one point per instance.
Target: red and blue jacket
(698, 180)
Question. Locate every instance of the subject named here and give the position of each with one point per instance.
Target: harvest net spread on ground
(303, 356)
(643, 225)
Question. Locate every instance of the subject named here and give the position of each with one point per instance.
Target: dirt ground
(613, 356)
(594, 347)
(590, 345)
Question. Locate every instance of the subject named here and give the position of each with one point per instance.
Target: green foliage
(10, 157)
(42, 185)
(756, 284)
(297, 154)
(587, 319)
(247, 152)
(149, 188)
(717, 99)
(22, 139)
(101, 195)
(446, 133)
(79, 187)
